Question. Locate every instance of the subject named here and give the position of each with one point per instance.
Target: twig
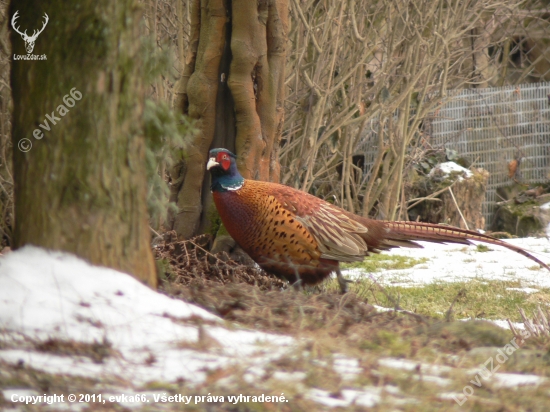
(430, 196)
(420, 199)
(308, 28)
(512, 328)
(155, 232)
(458, 208)
(461, 293)
(394, 302)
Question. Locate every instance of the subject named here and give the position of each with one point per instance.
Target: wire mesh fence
(495, 126)
(490, 128)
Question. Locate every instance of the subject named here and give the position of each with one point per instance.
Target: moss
(387, 342)
(216, 227)
(164, 131)
(525, 222)
(483, 248)
(376, 263)
(480, 178)
(470, 334)
(164, 270)
(522, 208)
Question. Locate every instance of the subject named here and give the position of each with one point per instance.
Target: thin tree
(80, 182)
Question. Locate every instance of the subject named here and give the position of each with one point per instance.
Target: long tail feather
(407, 232)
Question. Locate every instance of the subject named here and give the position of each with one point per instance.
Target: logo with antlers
(29, 40)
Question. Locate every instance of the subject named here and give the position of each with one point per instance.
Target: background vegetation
(353, 68)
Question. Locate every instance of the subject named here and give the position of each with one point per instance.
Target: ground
(421, 329)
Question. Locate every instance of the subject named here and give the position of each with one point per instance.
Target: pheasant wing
(338, 236)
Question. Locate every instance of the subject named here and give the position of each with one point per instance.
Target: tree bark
(82, 186)
(233, 86)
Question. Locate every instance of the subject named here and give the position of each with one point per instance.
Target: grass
(482, 248)
(474, 299)
(328, 326)
(377, 263)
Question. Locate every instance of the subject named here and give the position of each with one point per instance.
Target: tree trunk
(81, 188)
(233, 86)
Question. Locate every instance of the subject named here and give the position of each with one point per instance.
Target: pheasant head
(223, 168)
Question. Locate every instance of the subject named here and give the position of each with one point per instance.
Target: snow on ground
(51, 295)
(525, 290)
(501, 323)
(409, 365)
(458, 263)
(368, 397)
(431, 373)
(513, 380)
(348, 368)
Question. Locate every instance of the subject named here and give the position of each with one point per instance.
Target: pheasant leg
(298, 284)
(342, 281)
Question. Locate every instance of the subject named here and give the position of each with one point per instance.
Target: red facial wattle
(224, 161)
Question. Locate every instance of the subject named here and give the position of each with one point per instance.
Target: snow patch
(445, 170)
(369, 397)
(512, 380)
(348, 368)
(289, 376)
(57, 296)
(458, 263)
(433, 379)
(525, 290)
(409, 365)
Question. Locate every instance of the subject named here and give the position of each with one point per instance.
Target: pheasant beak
(211, 163)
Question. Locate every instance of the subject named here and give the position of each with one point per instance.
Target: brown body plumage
(300, 237)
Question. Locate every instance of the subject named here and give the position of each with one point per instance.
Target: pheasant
(301, 238)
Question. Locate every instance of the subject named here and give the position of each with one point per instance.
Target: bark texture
(233, 86)
(82, 186)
